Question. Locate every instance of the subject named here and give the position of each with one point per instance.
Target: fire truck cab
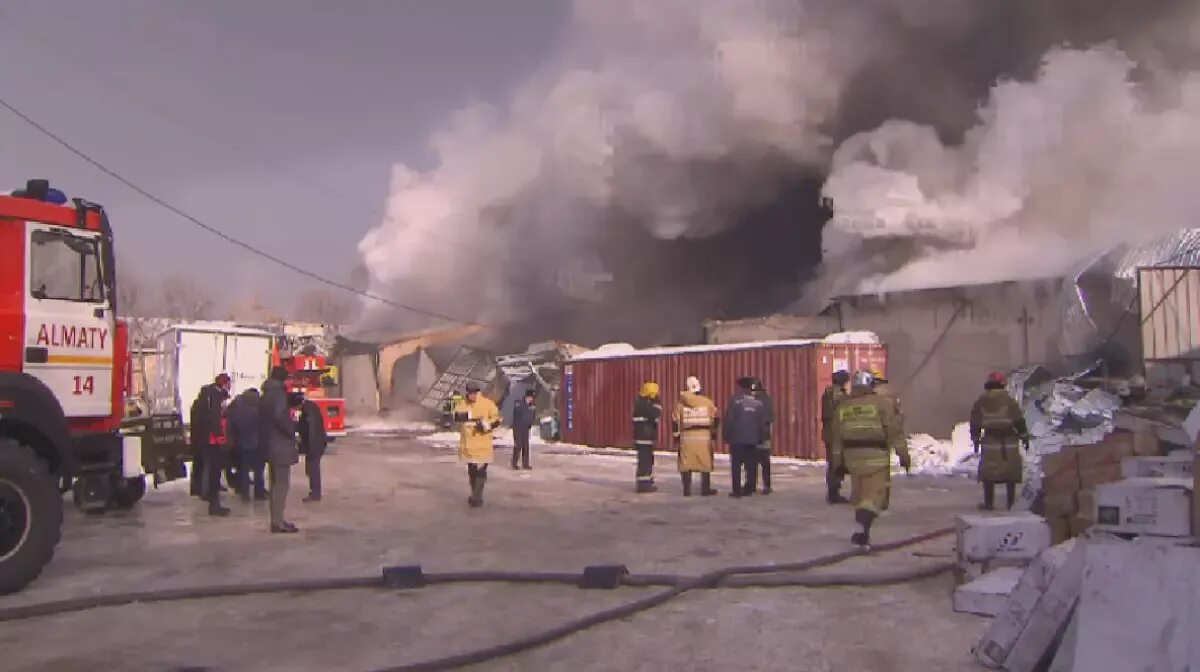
(64, 377)
(308, 373)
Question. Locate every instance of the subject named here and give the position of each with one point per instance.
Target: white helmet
(863, 379)
(693, 385)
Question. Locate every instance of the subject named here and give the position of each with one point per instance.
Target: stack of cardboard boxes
(1072, 474)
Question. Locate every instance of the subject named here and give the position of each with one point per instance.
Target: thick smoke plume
(1057, 170)
(666, 165)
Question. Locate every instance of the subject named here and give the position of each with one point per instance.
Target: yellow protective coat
(695, 421)
(475, 446)
(869, 466)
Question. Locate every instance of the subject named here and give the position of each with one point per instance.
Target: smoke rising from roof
(666, 166)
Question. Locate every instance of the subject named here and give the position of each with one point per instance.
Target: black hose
(480, 656)
(729, 577)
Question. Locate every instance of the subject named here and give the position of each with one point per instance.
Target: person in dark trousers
(313, 442)
(647, 412)
(763, 454)
(277, 438)
(243, 434)
(998, 429)
(745, 429)
(835, 471)
(209, 442)
(524, 418)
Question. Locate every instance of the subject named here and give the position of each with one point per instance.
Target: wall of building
(941, 343)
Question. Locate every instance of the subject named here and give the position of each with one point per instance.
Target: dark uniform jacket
(829, 401)
(746, 420)
(243, 422)
(311, 428)
(276, 431)
(205, 416)
(646, 415)
(524, 415)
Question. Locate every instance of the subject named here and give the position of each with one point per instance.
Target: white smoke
(643, 88)
(1083, 157)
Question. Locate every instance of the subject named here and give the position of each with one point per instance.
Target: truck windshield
(65, 267)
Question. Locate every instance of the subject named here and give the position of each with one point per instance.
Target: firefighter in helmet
(477, 417)
(834, 470)
(866, 430)
(997, 430)
(647, 412)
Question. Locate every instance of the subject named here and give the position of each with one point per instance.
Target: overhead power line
(221, 234)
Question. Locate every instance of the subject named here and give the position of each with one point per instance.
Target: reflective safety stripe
(645, 478)
(867, 458)
(639, 419)
(642, 442)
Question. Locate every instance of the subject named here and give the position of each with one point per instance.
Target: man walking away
(835, 471)
(647, 412)
(313, 442)
(745, 428)
(866, 432)
(243, 433)
(997, 428)
(524, 418)
(695, 424)
(277, 438)
(477, 417)
(209, 441)
(763, 452)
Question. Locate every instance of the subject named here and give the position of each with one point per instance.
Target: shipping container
(599, 387)
(1169, 298)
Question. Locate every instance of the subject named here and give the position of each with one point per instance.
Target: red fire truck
(308, 372)
(64, 380)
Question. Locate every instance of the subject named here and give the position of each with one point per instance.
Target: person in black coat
(209, 442)
(745, 428)
(524, 418)
(647, 412)
(313, 441)
(243, 433)
(763, 454)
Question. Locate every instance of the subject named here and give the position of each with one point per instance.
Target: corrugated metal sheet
(598, 394)
(1170, 310)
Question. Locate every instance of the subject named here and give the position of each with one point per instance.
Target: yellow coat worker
(477, 417)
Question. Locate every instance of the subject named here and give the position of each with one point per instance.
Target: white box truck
(191, 356)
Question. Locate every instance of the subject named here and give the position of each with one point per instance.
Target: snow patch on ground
(932, 456)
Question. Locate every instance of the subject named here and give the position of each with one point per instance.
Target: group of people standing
(254, 441)
(862, 427)
(696, 427)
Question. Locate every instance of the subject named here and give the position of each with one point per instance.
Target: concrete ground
(392, 500)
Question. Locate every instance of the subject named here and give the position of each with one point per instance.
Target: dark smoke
(680, 147)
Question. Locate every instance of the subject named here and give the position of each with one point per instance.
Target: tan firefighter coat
(695, 421)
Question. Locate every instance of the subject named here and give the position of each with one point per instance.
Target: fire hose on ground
(592, 577)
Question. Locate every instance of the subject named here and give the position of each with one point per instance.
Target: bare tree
(325, 307)
(183, 298)
(253, 310)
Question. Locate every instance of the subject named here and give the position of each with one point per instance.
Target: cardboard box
(1012, 537)
(1108, 472)
(1087, 504)
(1153, 506)
(987, 595)
(1147, 444)
(1079, 525)
(1114, 448)
(1060, 504)
(1060, 471)
(1038, 607)
(1139, 608)
(1060, 528)
(1176, 465)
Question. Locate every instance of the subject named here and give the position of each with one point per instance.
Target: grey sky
(275, 120)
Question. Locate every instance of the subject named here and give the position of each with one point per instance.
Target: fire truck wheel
(31, 514)
(128, 491)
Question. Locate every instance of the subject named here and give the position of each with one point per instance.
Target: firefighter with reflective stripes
(694, 426)
(997, 429)
(647, 412)
(866, 430)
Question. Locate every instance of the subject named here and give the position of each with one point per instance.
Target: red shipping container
(599, 388)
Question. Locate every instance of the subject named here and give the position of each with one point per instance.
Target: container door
(69, 325)
(163, 390)
(199, 354)
(247, 360)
